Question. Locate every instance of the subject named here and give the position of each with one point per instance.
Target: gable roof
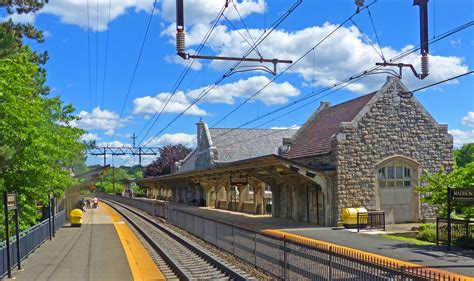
(315, 137)
(238, 144)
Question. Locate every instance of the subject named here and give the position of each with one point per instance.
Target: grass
(406, 239)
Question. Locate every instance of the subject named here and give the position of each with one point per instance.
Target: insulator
(425, 67)
(180, 42)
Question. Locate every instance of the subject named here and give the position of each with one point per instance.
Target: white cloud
(178, 103)
(90, 137)
(100, 119)
(293, 127)
(455, 43)
(114, 143)
(462, 137)
(468, 120)
(20, 18)
(275, 93)
(196, 12)
(182, 138)
(75, 11)
(342, 55)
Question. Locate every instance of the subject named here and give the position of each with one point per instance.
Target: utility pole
(113, 175)
(134, 137)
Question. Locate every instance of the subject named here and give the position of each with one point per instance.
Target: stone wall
(390, 126)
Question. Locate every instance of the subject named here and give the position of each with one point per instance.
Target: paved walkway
(96, 251)
(457, 261)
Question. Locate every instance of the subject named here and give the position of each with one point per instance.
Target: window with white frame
(395, 174)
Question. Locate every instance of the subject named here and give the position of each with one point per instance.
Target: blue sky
(345, 53)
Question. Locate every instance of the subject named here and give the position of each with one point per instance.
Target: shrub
(427, 232)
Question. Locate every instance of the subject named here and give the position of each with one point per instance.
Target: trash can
(76, 218)
(349, 217)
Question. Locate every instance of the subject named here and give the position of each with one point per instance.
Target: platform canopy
(270, 169)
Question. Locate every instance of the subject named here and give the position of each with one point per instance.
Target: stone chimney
(201, 132)
(285, 147)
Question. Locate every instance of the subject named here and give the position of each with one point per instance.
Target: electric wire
(97, 55)
(376, 33)
(209, 88)
(442, 81)
(183, 74)
(89, 60)
(105, 57)
(351, 78)
(246, 28)
(138, 58)
(368, 40)
(290, 66)
(262, 37)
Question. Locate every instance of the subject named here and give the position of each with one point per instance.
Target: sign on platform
(11, 201)
(462, 194)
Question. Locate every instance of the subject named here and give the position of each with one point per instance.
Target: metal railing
(30, 240)
(371, 219)
(460, 229)
(289, 258)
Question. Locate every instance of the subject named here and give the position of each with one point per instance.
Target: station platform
(457, 261)
(104, 248)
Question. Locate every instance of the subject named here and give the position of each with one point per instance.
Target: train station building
(366, 152)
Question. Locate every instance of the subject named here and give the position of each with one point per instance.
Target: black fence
(288, 258)
(30, 240)
(462, 232)
(371, 219)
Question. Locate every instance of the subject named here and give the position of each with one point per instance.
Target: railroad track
(180, 257)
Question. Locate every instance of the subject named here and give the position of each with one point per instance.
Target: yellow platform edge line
(141, 264)
(370, 257)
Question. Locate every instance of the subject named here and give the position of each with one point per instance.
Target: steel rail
(171, 261)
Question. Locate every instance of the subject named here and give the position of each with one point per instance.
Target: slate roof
(247, 143)
(315, 137)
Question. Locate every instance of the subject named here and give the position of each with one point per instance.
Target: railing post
(53, 207)
(330, 263)
(17, 226)
(285, 262)
(437, 231)
(7, 234)
(49, 218)
(402, 269)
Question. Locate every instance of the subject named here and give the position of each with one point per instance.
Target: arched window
(396, 173)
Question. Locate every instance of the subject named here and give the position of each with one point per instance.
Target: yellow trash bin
(349, 217)
(76, 217)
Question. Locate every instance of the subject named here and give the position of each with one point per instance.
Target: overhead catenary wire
(376, 33)
(89, 58)
(250, 50)
(262, 37)
(183, 74)
(135, 68)
(351, 78)
(105, 56)
(291, 65)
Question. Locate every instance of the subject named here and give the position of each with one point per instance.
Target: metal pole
(437, 231)
(49, 218)
(330, 262)
(17, 226)
(53, 206)
(113, 175)
(105, 157)
(255, 246)
(7, 234)
(449, 218)
(285, 259)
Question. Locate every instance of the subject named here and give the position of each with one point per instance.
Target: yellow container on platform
(76, 217)
(349, 217)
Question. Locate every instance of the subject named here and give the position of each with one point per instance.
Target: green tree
(435, 191)
(464, 155)
(36, 143)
